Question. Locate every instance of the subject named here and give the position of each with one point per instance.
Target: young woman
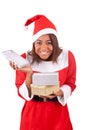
(46, 56)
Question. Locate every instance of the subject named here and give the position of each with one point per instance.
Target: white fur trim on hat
(43, 32)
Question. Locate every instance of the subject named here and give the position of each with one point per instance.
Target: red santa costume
(49, 115)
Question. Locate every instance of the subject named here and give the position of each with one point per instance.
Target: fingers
(58, 93)
(13, 65)
(51, 96)
(27, 69)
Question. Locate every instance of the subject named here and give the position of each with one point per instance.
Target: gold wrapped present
(44, 90)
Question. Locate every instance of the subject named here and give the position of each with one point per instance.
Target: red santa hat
(42, 25)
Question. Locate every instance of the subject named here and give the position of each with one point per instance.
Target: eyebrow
(41, 40)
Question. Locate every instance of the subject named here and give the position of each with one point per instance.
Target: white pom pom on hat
(42, 25)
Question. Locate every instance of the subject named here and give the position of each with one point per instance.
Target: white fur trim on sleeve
(24, 92)
(67, 92)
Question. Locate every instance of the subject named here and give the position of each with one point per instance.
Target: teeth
(43, 52)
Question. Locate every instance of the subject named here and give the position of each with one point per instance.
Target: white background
(70, 18)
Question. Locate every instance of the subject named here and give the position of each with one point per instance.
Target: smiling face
(43, 47)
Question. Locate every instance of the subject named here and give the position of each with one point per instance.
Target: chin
(45, 59)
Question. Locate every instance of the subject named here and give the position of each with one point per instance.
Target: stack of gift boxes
(44, 83)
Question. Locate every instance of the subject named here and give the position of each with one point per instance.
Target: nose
(43, 46)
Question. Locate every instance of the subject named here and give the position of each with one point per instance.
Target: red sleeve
(71, 75)
(20, 78)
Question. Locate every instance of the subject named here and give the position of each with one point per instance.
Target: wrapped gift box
(45, 79)
(44, 90)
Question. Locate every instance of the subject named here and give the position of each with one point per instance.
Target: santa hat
(42, 25)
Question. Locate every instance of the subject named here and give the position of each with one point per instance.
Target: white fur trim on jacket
(67, 92)
(24, 92)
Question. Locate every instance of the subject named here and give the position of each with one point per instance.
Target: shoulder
(67, 53)
(71, 56)
(27, 56)
(70, 53)
(66, 57)
(23, 55)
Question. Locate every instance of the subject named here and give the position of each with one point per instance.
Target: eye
(49, 42)
(38, 42)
